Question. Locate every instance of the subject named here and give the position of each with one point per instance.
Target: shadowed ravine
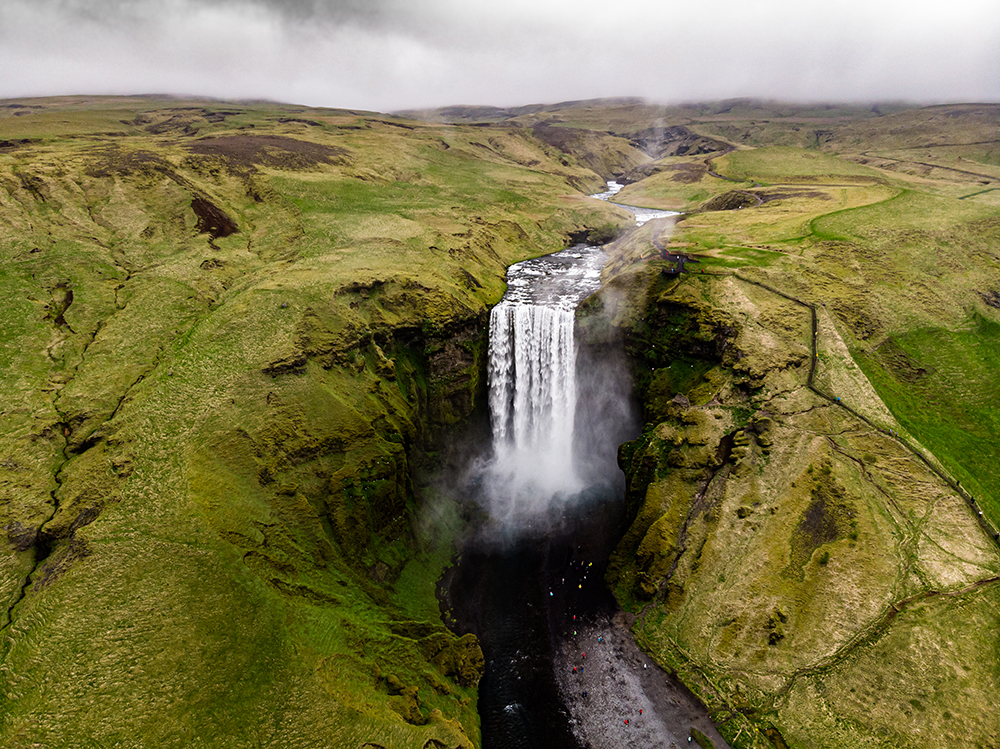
(501, 592)
(530, 584)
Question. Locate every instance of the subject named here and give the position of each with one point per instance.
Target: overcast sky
(392, 54)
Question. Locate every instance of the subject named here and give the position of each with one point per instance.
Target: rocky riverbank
(620, 697)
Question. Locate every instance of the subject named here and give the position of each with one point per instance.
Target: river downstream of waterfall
(561, 669)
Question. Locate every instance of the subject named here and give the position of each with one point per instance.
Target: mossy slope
(801, 555)
(778, 541)
(229, 334)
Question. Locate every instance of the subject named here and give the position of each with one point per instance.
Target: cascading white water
(533, 393)
(532, 380)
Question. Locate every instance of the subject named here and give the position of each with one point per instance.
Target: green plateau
(239, 340)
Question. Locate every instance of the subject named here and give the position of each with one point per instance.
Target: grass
(775, 165)
(214, 439)
(886, 235)
(910, 208)
(891, 684)
(837, 635)
(211, 434)
(739, 257)
(683, 184)
(786, 220)
(952, 404)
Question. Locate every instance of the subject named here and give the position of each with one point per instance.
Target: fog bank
(386, 54)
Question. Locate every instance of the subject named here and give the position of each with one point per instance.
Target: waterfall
(552, 502)
(532, 381)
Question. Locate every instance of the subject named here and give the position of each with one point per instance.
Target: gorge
(247, 363)
(510, 587)
(530, 584)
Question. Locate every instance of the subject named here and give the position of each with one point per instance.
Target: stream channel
(561, 667)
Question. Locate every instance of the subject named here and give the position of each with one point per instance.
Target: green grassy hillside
(815, 549)
(230, 336)
(236, 339)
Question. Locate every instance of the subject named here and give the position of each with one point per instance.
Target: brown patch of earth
(731, 201)
(15, 143)
(115, 161)
(212, 220)
(992, 298)
(687, 174)
(269, 150)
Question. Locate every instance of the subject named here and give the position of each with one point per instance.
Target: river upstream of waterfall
(561, 667)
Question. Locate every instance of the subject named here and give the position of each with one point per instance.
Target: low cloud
(389, 54)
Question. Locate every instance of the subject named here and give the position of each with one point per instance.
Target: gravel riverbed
(618, 697)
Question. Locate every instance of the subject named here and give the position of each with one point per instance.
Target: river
(561, 668)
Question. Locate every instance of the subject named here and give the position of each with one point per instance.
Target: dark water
(521, 595)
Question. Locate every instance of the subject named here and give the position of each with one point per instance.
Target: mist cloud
(389, 54)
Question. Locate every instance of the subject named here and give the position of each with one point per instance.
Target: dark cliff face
(456, 373)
